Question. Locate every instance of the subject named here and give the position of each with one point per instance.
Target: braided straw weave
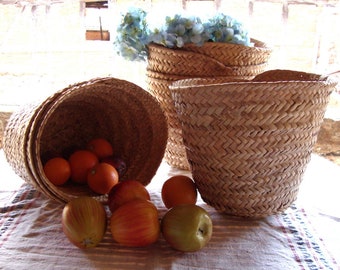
(234, 55)
(158, 85)
(128, 116)
(197, 62)
(211, 60)
(248, 142)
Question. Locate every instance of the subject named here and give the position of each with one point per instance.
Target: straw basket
(125, 114)
(248, 142)
(210, 60)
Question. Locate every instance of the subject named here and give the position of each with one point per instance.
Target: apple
(126, 191)
(84, 222)
(135, 223)
(186, 227)
(116, 162)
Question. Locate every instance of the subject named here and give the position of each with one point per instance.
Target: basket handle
(336, 73)
(336, 77)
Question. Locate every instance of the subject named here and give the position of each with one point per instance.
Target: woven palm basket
(248, 142)
(210, 60)
(214, 58)
(125, 114)
(158, 85)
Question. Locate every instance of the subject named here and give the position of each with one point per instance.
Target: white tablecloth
(306, 236)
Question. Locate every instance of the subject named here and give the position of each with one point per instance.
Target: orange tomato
(102, 177)
(81, 161)
(57, 170)
(179, 189)
(102, 148)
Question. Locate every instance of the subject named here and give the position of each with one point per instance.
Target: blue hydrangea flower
(178, 31)
(134, 33)
(223, 28)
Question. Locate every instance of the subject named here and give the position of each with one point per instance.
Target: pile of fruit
(95, 165)
(133, 218)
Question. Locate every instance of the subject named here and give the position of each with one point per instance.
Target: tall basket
(126, 115)
(210, 60)
(248, 142)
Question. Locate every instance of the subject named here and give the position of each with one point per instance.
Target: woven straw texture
(235, 55)
(211, 60)
(158, 85)
(128, 116)
(248, 143)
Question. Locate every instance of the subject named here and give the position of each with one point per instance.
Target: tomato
(135, 223)
(179, 189)
(81, 161)
(57, 170)
(102, 177)
(101, 147)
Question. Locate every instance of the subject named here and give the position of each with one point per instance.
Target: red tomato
(57, 170)
(179, 189)
(81, 162)
(102, 177)
(101, 147)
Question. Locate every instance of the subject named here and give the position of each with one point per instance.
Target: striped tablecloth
(306, 236)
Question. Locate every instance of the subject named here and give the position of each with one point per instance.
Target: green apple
(187, 227)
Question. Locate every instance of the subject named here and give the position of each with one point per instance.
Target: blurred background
(45, 45)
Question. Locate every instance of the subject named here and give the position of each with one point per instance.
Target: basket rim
(257, 80)
(211, 56)
(179, 84)
(225, 54)
(258, 45)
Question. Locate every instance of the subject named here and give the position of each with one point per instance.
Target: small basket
(125, 114)
(195, 61)
(248, 142)
(210, 60)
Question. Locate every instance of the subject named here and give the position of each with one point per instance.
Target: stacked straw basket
(125, 114)
(210, 60)
(248, 142)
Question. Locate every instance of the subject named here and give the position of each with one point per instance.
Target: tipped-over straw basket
(125, 114)
(210, 60)
(248, 142)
